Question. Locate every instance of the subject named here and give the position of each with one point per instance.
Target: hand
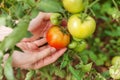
(34, 54)
(38, 26)
(35, 59)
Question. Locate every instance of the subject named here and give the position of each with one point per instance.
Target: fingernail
(53, 49)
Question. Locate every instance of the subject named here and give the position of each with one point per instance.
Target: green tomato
(115, 60)
(80, 28)
(73, 6)
(81, 46)
(73, 44)
(77, 39)
(56, 18)
(114, 71)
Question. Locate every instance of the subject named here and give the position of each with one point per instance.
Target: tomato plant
(73, 6)
(57, 37)
(81, 28)
(99, 61)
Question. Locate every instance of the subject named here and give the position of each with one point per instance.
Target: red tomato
(57, 37)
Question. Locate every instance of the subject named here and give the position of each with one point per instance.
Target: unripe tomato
(56, 18)
(81, 46)
(72, 44)
(114, 71)
(58, 37)
(115, 60)
(81, 28)
(73, 6)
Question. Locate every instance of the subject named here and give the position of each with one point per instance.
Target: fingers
(40, 42)
(44, 53)
(35, 23)
(48, 60)
(46, 28)
(33, 38)
(31, 45)
(20, 58)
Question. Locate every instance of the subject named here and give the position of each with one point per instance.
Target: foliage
(92, 63)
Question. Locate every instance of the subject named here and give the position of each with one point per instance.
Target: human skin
(35, 52)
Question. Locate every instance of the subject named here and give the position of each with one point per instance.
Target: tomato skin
(56, 18)
(56, 38)
(81, 46)
(115, 60)
(79, 28)
(73, 44)
(73, 6)
(114, 71)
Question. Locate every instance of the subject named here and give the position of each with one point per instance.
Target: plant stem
(86, 8)
(92, 12)
(66, 17)
(93, 3)
(115, 4)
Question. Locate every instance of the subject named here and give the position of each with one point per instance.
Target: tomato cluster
(79, 26)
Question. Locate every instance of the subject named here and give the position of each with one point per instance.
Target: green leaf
(50, 6)
(30, 2)
(92, 56)
(8, 70)
(84, 58)
(60, 73)
(18, 74)
(19, 13)
(106, 74)
(74, 72)
(1, 68)
(28, 34)
(99, 62)
(30, 75)
(18, 33)
(65, 61)
(2, 20)
(114, 33)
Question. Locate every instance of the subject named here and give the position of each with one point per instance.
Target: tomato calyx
(64, 30)
(56, 18)
(83, 17)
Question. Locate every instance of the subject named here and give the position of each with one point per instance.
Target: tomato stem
(88, 6)
(83, 17)
(115, 4)
(64, 30)
(65, 15)
(93, 3)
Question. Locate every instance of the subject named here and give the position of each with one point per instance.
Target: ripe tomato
(73, 6)
(80, 28)
(57, 37)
